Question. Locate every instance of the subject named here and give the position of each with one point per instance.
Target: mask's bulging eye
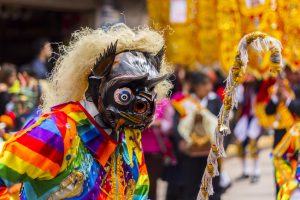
(123, 96)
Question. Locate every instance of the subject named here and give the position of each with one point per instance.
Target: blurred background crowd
(201, 40)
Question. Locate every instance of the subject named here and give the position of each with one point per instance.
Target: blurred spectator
(194, 124)
(156, 146)
(202, 88)
(9, 87)
(219, 84)
(247, 129)
(8, 76)
(43, 51)
(287, 92)
(4, 97)
(19, 95)
(29, 97)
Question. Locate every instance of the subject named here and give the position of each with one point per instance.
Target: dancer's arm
(36, 152)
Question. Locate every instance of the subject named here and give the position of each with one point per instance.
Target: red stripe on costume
(4, 193)
(61, 122)
(263, 94)
(67, 107)
(41, 148)
(67, 128)
(33, 158)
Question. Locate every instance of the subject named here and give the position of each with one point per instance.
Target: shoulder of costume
(181, 102)
(73, 110)
(53, 122)
(63, 106)
(46, 138)
(78, 113)
(90, 134)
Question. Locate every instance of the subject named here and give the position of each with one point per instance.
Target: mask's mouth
(133, 121)
(131, 118)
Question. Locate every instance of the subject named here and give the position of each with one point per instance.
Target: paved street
(244, 190)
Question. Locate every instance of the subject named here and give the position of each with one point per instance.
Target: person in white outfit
(248, 130)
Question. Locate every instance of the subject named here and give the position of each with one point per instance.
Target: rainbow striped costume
(65, 154)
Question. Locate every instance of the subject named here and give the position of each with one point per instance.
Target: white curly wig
(69, 78)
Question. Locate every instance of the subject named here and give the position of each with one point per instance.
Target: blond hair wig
(69, 79)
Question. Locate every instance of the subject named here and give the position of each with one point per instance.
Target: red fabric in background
(263, 93)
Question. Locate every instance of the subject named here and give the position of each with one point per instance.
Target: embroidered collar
(94, 137)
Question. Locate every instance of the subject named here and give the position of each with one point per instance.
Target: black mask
(122, 85)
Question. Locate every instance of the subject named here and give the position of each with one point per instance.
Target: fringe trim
(260, 42)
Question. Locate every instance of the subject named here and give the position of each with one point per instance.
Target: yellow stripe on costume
(33, 158)
(77, 116)
(22, 167)
(72, 151)
(133, 136)
(143, 180)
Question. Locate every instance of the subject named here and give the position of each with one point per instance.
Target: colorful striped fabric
(287, 163)
(66, 155)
